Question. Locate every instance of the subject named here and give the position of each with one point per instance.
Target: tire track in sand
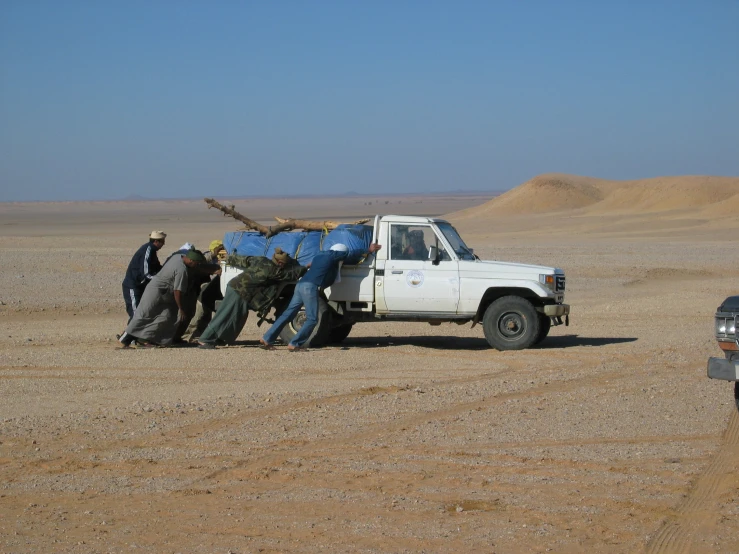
(677, 534)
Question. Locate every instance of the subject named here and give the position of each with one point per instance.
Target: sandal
(297, 349)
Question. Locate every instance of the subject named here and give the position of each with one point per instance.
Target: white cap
(186, 246)
(339, 248)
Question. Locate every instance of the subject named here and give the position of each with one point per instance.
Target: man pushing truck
(323, 272)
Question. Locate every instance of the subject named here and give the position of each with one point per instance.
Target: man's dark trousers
(132, 297)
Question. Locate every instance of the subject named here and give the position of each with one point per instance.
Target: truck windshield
(458, 245)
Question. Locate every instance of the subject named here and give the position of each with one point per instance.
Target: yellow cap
(215, 245)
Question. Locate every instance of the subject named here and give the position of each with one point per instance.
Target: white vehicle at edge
(726, 331)
(425, 272)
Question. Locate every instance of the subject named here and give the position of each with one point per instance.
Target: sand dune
(727, 207)
(553, 192)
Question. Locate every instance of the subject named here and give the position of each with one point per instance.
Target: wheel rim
(511, 325)
(298, 321)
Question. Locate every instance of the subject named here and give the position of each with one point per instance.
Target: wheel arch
(493, 293)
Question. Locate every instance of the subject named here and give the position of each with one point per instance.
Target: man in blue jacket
(322, 273)
(141, 269)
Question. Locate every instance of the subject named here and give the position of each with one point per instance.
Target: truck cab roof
(411, 219)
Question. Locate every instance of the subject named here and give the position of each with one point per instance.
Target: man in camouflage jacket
(256, 288)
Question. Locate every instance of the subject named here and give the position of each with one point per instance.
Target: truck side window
(398, 241)
(411, 242)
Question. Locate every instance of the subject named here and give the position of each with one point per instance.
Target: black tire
(340, 332)
(511, 323)
(320, 333)
(736, 394)
(545, 324)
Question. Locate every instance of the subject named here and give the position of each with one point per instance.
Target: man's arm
(291, 272)
(180, 306)
(356, 254)
(210, 269)
(235, 260)
(151, 265)
(179, 288)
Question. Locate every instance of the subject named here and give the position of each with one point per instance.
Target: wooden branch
(282, 223)
(315, 225)
(250, 224)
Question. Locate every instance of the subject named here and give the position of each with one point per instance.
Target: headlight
(547, 281)
(720, 327)
(725, 327)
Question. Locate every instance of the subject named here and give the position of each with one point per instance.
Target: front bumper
(556, 311)
(721, 368)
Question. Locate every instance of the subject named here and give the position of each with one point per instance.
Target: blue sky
(102, 100)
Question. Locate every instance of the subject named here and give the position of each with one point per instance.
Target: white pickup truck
(425, 273)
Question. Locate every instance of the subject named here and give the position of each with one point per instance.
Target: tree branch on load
(282, 223)
(313, 225)
(230, 211)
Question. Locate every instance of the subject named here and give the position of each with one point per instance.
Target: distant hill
(557, 192)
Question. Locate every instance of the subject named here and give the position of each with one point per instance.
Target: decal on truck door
(414, 278)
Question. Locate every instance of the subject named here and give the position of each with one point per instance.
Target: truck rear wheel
(511, 323)
(320, 333)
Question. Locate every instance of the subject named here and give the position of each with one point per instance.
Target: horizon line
(139, 198)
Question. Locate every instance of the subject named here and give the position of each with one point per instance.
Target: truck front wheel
(319, 336)
(545, 324)
(511, 323)
(339, 333)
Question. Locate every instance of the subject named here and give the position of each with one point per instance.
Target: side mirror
(434, 254)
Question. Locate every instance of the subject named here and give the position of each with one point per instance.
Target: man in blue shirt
(322, 273)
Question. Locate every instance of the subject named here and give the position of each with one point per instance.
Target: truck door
(412, 283)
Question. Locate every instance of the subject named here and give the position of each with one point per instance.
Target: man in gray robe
(162, 306)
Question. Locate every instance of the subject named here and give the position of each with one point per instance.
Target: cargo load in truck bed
(301, 245)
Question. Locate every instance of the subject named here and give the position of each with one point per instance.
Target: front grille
(559, 283)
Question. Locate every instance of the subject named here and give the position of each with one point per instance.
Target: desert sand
(608, 437)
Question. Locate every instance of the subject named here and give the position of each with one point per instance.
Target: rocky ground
(406, 438)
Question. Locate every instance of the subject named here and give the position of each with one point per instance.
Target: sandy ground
(408, 438)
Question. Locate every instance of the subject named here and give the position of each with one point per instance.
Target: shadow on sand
(472, 343)
(568, 341)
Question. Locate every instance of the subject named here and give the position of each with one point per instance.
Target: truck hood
(482, 268)
(731, 304)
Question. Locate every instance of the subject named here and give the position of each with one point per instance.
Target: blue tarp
(309, 247)
(245, 243)
(301, 245)
(356, 237)
(297, 244)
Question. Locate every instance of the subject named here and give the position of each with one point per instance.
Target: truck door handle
(397, 272)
